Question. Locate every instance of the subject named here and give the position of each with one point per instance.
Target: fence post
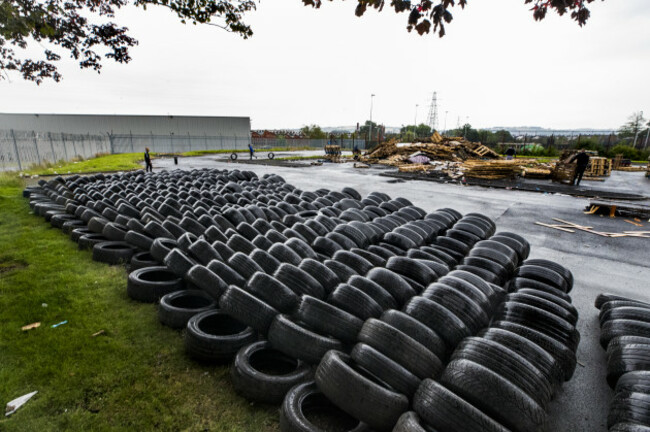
(131, 138)
(38, 155)
(49, 137)
(74, 148)
(110, 141)
(65, 149)
(13, 135)
(83, 147)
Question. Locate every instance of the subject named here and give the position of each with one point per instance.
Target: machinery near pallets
(333, 153)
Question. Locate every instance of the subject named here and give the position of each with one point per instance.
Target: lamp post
(636, 135)
(370, 129)
(445, 130)
(415, 122)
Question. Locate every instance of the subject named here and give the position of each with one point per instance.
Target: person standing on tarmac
(147, 160)
(251, 150)
(582, 160)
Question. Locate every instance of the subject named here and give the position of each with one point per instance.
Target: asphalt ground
(599, 264)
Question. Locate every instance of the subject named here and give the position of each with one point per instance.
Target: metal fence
(268, 143)
(20, 150)
(172, 143)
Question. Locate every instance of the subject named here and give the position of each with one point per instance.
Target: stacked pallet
(598, 167)
(492, 170)
(537, 172)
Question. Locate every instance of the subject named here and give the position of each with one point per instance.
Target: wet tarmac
(599, 264)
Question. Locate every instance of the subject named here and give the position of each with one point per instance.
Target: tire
(243, 265)
(635, 381)
(301, 248)
(549, 306)
(342, 271)
(545, 363)
(161, 247)
(355, 302)
(412, 269)
(401, 348)
(263, 374)
(88, 241)
(409, 422)
(374, 291)
(560, 269)
(459, 304)
(176, 308)
(223, 250)
(178, 262)
(113, 252)
(629, 408)
(543, 274)
(354, 234)
(606, 298)
(273, 292)
(444, 410)
(343, 241)
(494, 395)
(149, 284)
(299, 281)
(139, 241)
(267, 262)
(299, 342)
(387, 370)
(203, 252)
(439, 319)
(284, 254)
(239, 243)
(483, 300)
(326, 246)
(305, 401)
(215, 337)
(380, 407)
(393, 283)
(521, 282)
(141, 260)
(328, 319)
(508, 364)
(357, 263)
(208, 281)
(564, 356)
(398, 240)
(247, 309)
(326, 277)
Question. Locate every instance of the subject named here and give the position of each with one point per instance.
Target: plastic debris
(17, 403)
(30, 326)
(59, 324)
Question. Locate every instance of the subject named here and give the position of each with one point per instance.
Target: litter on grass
(13, 405)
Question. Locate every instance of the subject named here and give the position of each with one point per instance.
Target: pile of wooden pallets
(537, 172)
(492, 170)
(563, 172)
(598, 167)
(618, 159)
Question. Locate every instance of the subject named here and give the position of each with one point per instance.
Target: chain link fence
(20, 150)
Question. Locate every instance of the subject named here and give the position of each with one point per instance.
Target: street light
(370, 129)
(415, 122)
(636, 135)
(445, 130)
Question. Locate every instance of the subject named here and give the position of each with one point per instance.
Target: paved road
(599, 264)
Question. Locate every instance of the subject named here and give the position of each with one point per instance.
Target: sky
(495, 67)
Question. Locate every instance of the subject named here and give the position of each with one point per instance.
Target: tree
(634, 127)
(313, 132)
(81, 28)
(363, 130)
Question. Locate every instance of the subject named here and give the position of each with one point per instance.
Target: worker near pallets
(510, 153)
(582, 160)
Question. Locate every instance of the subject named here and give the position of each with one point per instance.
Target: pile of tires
(316, 298)
(625, 334)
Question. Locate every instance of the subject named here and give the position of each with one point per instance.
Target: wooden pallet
(623, 208)
(482, 150)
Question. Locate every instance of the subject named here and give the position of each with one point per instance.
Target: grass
(103, 163)
(135, 376)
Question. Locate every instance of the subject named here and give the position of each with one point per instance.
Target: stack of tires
(333, 303)
(625, 334)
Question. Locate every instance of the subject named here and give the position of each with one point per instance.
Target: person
(147, 160)
(510, 153)
(355, 152)
(251, 150)
(582, 160)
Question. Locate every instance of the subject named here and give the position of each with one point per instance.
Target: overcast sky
(496, 66)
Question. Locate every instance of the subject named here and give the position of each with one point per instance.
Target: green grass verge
(105, 163)
(134, 377)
